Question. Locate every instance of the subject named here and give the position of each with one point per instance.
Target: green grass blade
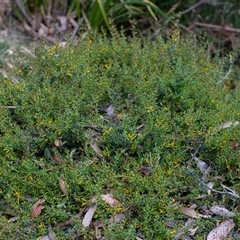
(102, 9)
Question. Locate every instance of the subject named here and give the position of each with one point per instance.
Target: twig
(173, 8)
(230, 193)
(187, 29)
(71, 220)
(86, 20)
(76, 27)
(196, 151)
(138, 129)
(194, 6)
(218, 28)
(188, 225)
(92, 127)
(229, 71)
(8, 107)
(229, 189)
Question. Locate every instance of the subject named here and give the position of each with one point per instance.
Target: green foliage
(96, 13)
(166, 102)
(60, 20)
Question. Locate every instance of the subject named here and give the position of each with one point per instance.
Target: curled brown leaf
(109, 199)
(234, 145)
(37, 208)
(63, 186)
(57, 159)
(145, 170)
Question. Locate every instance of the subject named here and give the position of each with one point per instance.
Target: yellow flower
(6, 150)
(106, 132)
(88, 70)
(149, 109)
(131, 136)
(17, 195)
(176, 35)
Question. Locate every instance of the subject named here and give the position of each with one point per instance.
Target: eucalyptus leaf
(47, 153)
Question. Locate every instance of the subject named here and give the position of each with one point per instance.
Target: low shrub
(114, 116)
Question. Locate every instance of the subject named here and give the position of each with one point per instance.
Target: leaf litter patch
(195, 211)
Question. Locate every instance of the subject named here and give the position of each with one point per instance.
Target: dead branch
(217, 27)
(194, 6)
(230, 193)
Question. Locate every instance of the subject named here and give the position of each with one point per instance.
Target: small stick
(194, 6)
(196, 152)
(71, 220)
(92, 127)
(231, 193)
(8, 107)
(218, 28)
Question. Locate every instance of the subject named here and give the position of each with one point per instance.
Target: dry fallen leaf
(98, 224)
(108, 198)
(110, 110)
(189, 212)
(192, 213)
(202, 166)
(14, 219)
(193, 231)
(234, 145)
(97, 150)
(140, 127)
(44, 238)
(51, 233)
(187, 227)
(90, 212)
(145, 170)
(58, 142)
(63, 187)
(27, 51)
(228, 124)
(62, 44)
(210, 186)
(37, 208)
(117, 218)
(72, 153)
(63, 22)
(98, 234)
(221, 231)
(57, 159)
(221, 211)
(4, 73)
